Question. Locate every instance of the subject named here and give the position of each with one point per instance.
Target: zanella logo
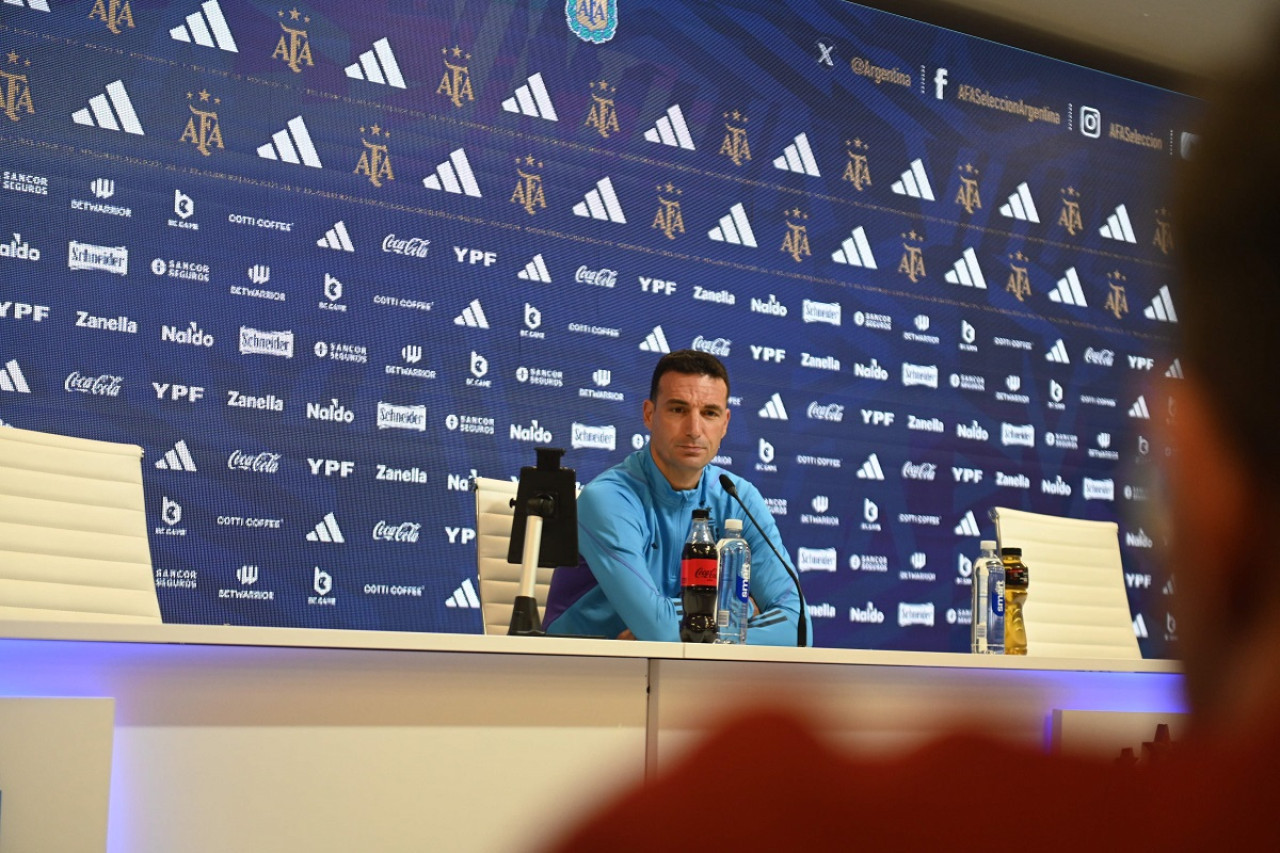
(718, 347)
(816, 559)
(831, 412)
(927, 471)
(258, 463)
(919, 374)
(1023, 436)
(391, 416)
(104, 385)
(86, 256)
(594, 437)
(599, 278)
(405, 531)
(413, 247)
(822, 312)
(256, 342)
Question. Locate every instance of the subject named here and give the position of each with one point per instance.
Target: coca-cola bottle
(698, 574)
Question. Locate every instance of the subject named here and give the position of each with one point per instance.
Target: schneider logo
(594, 437)
(822, 312)
(256, 342)
(86, 256)
(915, 614)
(919, 374)
(816, 559)
(1023, 436)
(391, 416)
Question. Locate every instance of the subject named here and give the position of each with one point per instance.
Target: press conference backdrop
(327, 260)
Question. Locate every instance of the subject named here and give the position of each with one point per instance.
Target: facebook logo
(940, 83)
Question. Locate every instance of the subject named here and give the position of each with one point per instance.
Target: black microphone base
(525, 621)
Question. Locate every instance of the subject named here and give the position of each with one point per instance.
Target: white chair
(1076, 603)
(73, 530)
(499, 580)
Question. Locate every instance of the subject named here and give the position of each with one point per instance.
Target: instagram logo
(1090, 122)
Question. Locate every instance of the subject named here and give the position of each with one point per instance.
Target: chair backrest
(1077, 606)
(73, 530)
(499, 580)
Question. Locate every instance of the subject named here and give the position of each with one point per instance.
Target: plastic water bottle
(994, 572)
(733, 605)
(980, 621)
(1016, 582)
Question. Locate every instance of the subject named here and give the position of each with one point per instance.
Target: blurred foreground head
(1224, 476)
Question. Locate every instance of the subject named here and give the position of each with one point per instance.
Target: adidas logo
(968, 525)
(1068, 290)
(11, 378)
(110, 111)
(871, 469)
(292, 145)
(472, 316)
(655, 341)
(1021, 205)
(38, 5)
(734, 228)
(178, 458)
(532, 99)
(670, 129)
(1118, 227)
(1139, 627)
(377, 66)
(1139, 409)
(1058, 353)
(914, 182)
(773, 408)
(337, 238)
(1175, 370)
(1161, 308)
(966, 271)
(454, 176)
(535, 270)
(855, 250)
(798, 157)
(464, 597)
(327, 531)
(206, 28)
(601, 203)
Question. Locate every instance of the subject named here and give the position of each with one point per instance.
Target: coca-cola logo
(413, 247)
(259, 463)
(405, 531)
(600, 278)
(104, 385)
(919, 470)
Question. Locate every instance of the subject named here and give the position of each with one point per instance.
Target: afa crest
(592, 20)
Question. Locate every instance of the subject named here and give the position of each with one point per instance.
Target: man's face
(686, 424)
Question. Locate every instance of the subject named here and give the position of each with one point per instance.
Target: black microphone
(802, 633)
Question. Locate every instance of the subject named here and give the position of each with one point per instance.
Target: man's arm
(615, 545)
(771, 586)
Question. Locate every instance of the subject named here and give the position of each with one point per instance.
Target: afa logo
(203, 129)
(15, 90)
(592, 20)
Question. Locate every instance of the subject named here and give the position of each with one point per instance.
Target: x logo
(825, 58)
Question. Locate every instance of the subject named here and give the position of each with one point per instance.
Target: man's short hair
(691, 363)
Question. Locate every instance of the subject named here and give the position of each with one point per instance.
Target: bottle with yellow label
(1016, 577)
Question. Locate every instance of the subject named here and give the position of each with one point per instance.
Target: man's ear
(647, 411)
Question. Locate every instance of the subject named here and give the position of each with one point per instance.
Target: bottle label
(699, 571)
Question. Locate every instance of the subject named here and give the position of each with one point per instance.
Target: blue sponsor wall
(324, 261)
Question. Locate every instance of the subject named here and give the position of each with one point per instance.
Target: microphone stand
(802, 632)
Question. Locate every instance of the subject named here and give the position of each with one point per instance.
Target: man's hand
(626, 635)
